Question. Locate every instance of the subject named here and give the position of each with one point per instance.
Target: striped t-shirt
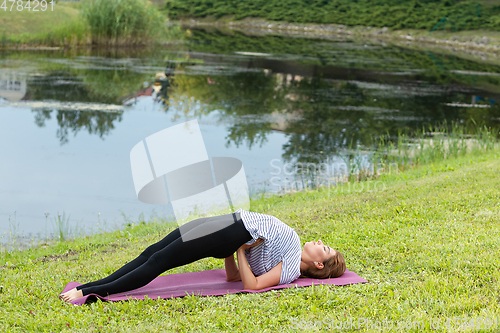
(281, 243)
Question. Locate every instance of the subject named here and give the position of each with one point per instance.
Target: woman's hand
(257, 242)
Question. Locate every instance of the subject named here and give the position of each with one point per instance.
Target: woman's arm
(232, 271)
(269, 279)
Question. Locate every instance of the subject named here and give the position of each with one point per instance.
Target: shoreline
(465, 41)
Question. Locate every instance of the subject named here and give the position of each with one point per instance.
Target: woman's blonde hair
(334, 267)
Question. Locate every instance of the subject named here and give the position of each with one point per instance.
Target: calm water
(69, 121)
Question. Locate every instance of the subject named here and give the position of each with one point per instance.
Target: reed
(13, 234)
(429, 254)
(122, 22)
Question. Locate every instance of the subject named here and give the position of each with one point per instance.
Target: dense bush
(397, 14)
(122, 21)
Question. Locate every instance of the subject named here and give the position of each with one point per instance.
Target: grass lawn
(427, 240)
(19, 22)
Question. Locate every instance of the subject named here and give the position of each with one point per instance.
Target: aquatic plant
(13, 234)
(63, 229)
(438, 142)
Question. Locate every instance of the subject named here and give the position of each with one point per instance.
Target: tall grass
(61, 230)
(122, 21)
(435, 143)
(391, 155)
(13, 234)
(61, 226)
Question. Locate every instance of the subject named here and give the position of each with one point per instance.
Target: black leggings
(224, 234)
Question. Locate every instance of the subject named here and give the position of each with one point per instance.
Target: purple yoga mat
(206, 283)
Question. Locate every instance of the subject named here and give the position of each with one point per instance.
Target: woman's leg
(148, 252)
(218, 244)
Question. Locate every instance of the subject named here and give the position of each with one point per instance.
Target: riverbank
(474, 40)
(426, 239)
(69, 31)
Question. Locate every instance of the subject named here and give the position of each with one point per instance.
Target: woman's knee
(158, 246)
(162, 261)
(157, 262)
(149, 251)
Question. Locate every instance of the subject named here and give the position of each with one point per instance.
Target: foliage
(397, 14)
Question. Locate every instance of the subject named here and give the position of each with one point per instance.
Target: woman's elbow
(258, 285)
(250, 287)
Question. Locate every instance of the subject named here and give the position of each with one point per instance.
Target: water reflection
(323, 115)
(323, 95)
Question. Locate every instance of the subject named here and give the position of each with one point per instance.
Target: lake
(69, 119)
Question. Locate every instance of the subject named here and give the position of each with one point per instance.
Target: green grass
(61, 26)
(427, 241)
(28, 22)
(72, 34)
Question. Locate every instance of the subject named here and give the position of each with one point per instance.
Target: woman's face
(317, 251)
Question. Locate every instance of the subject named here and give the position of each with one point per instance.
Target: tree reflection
(83, 85)
(94, 122)
(328, 98)
(242, 98)
(341, 115)
(333, 115)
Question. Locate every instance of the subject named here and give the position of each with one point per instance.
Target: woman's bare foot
(71, 295)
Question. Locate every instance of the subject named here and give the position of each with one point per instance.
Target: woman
(269, 246)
